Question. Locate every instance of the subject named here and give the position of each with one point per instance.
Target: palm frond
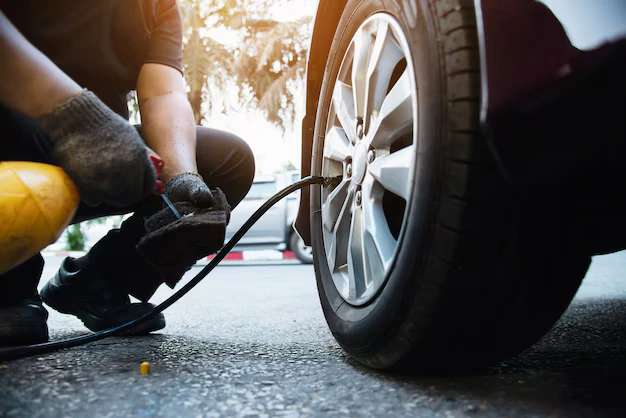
(273, 44)
(272, 101)
(270, 57)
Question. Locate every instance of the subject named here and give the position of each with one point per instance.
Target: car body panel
(525, 45)
(274, 228)
(267, 229)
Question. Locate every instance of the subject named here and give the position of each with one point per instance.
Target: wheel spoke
(379, 242)
(343, 104)
(361, 45)
(395, 116)
(336, 244)
(386, 54)
(356, 256)
(334, 204)
(336, 145)
(393, 171)
(377, 50)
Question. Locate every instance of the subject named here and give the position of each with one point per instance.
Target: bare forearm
(168, 127)
(29, 81)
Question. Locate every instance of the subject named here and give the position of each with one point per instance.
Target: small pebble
(471, 408)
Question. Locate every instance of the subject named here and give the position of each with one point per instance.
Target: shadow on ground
(577, 369)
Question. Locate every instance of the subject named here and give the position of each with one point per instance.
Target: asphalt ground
(252, 341)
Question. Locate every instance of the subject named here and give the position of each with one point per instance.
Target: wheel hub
(359, 163)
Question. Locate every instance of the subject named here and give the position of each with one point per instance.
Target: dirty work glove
(189, 187)
(100, 151)
(173, 245)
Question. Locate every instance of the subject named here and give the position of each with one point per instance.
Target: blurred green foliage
(75, 238)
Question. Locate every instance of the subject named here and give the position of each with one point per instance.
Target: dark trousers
(223, 159)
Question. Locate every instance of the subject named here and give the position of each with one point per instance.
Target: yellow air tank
(37, 202)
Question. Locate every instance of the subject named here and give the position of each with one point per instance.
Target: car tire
(477, 276)
(302, 251)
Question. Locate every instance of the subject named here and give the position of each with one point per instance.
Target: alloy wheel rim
(369, 142)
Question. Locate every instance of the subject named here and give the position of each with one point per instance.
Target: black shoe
(23, 323)
(86, 295)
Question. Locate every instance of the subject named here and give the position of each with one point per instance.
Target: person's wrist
(171, 171)
(168, 175)
(54, 97)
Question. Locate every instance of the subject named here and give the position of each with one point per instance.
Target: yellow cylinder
(37, 202)
(144, 368)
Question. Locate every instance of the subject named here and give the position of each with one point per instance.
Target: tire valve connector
(332, 181)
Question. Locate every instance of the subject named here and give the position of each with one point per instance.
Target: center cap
(359, 163)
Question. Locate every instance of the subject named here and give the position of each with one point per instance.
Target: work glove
(101, 152)
(174, 245)
(189, 187)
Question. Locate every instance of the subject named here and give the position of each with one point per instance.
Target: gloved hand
(189, 187)
(173, 245)
(101, 152)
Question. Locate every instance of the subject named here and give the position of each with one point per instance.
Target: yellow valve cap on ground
(37, 202)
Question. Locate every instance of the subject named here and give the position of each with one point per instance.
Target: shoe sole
(95, 323)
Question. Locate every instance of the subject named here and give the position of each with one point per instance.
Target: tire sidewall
(364, 330)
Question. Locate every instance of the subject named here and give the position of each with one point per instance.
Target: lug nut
(359, 127)
(359, 130)
(349, 170)
(371, 156)
(358, 198)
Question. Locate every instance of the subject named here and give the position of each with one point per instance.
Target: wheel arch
(328, 14)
